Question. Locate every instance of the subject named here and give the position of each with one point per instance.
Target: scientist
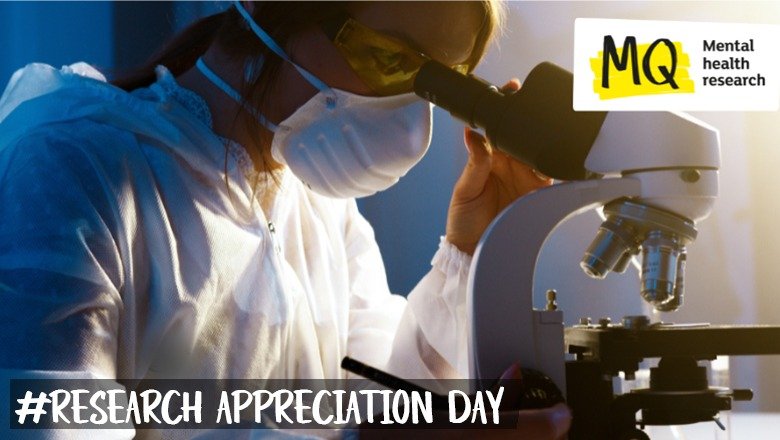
(197, 218)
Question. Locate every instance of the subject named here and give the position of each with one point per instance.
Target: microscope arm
(504, 327)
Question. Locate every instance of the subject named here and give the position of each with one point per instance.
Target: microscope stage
(701, 341)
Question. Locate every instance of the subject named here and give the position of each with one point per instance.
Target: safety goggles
(385, 64)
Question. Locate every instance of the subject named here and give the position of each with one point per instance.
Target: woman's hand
(490, 181)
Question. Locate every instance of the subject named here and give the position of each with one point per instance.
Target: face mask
(341, 144)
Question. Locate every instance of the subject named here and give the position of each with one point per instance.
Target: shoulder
(39, 93)
(78, 149)
(43, 106)
(59, 167)
(38, 96)
(72, 118)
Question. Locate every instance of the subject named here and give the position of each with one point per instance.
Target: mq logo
(618, 74)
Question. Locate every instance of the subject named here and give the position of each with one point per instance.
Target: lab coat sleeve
(424, 337)
(60, 270)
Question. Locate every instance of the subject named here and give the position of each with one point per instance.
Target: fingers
(542, 177)
(481, 163)
(476, 144)
(534, 176)
(516, 177)
(511, 380)
(548, 423)
(511, 86)
(472, 181)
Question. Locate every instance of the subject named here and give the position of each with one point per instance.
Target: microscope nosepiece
(662, 237)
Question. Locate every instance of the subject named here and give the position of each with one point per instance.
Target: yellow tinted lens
(461, 68)
(385, 65)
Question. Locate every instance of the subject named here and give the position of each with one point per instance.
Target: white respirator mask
(340, 144)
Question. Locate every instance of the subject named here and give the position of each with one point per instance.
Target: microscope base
(678, 392)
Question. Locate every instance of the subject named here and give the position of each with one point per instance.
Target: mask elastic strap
(230, 91)
(268, 41)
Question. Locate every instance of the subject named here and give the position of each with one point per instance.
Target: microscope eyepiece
(536, 125)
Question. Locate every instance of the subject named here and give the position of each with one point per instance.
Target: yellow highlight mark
(621, 83)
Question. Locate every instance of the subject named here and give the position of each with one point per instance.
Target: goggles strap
(231, 92)
(268, 41)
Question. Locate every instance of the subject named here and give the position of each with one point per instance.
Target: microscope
(654, 176)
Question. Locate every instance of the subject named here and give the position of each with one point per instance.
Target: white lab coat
(127, 252)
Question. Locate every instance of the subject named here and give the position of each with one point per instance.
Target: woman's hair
(283, 21)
